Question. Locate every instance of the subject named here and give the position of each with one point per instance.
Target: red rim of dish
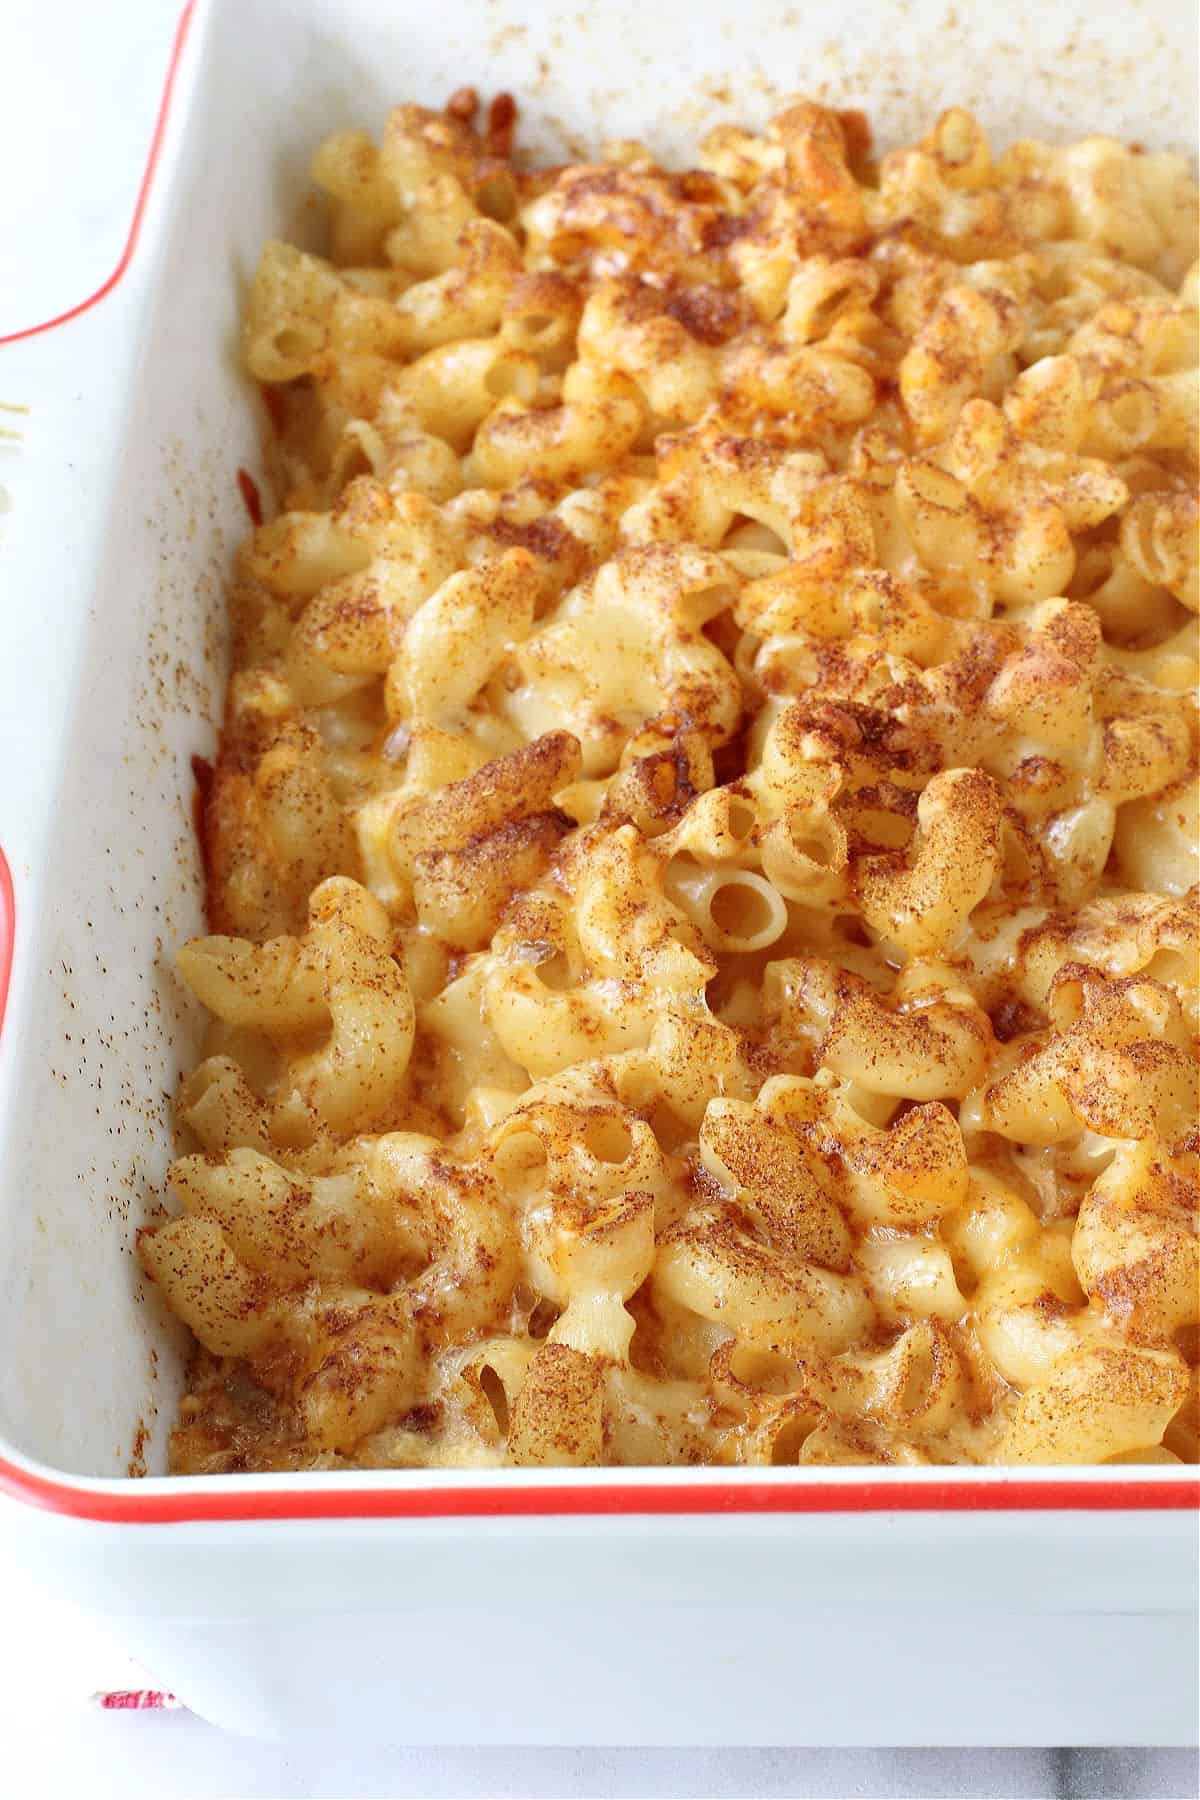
(143, 195)
(59, 1494)
(197, 1502)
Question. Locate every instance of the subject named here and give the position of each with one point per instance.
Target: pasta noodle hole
(766, 1370)
(519, 1156)
(721, 629)
(742, 818)
(536, 328)
(608, 1140)
(555, 973)
(887, 830)
(1131, 416)
(542, 1318)
(492, 1389)
(851, 930)
(738, 910)
(825, 313)
(815, 848)
(670, 1130)
(294, 344)
(789, 1441)
(749, 534)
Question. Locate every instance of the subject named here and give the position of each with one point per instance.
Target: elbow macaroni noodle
(702, 853)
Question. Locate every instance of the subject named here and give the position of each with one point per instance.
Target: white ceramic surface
(580, 1629)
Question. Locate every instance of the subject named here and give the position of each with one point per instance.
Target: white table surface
(80, 91)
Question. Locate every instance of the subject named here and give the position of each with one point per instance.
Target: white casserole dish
(786, 1606)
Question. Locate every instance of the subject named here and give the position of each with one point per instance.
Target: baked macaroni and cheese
(702, 850)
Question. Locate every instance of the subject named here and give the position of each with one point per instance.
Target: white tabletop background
(77, 103)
